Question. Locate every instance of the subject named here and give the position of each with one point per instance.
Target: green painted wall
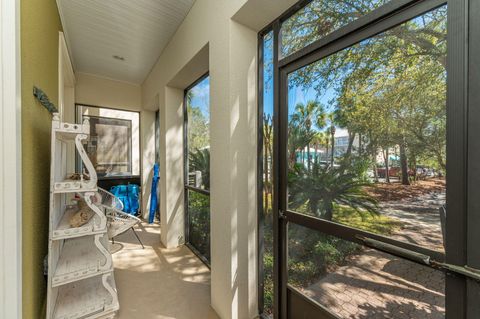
(39, 28)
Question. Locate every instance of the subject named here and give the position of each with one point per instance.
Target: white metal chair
(118, 221)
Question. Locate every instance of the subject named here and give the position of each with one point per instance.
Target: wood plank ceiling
(120, 39)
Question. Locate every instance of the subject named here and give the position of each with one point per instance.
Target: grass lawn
(375, 223)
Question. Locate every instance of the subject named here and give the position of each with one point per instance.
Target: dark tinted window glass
(319, 18)
(357, 282)
(267, 190)
(199, 222)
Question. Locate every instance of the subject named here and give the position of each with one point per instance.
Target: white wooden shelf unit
(81, 283)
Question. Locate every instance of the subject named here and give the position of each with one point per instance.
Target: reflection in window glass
(109, 146)
(198, 134)
(356, 282)
(113, 145)
(367, 134)
(319, 18)
(199, 222)
(267, 190)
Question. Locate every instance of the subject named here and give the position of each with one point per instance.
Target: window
(265, 167)
(319, 18)
(197, 167)
(114, 142)
(361, 119)
(388, 91)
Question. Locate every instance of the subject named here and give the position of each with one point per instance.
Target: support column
(171, 169)
(233, 174)
(147, 142)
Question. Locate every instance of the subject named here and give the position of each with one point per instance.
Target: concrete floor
(159, 283)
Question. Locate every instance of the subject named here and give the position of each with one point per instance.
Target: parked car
(392, 172)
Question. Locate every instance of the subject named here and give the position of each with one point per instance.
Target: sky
(201, 97)
(296, 94)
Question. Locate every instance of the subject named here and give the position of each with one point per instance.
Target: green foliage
(198, 128)
(303, 126)
(312, 254)
(375, 223)
(199, 160)
(321, 17)
(324, 186)
(199, 222)
(390, 88)
(268, 279)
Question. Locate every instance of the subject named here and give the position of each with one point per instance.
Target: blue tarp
(129, 196)
(153, 198)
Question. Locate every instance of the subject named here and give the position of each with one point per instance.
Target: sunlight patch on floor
(159, 283)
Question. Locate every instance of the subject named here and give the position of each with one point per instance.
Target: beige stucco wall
(147, 147)
(229, 29)
(99, 91)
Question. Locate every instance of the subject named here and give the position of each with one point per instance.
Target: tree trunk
(440, 161)
(387, 168)
(360, 144)
(327, 148)
(329, 211)
(265, 181)
(351, 139)
(374, 161)
(348, 153)
(403, 163)
(292, 158)
(414, 164)
(333, 146)
(308, 156)
(316, 153)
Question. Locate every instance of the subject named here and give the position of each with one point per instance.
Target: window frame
(463, 54)
(186, 187)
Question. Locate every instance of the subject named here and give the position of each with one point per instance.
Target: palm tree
(298, 138)
(323, 187)
(318, 142)
(313, 113)
(332, 129)
(326, 142)
(199, 160)
(267, 156)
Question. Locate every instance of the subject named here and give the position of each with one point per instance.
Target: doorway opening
(357, 128)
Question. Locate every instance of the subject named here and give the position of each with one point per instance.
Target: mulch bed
(396, 191)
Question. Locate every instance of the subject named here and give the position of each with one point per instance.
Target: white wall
(99, 91)
(233, 108)
(10, 162)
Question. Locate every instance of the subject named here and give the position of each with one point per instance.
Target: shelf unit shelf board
(80, 259)
(63, 230)
(72, 186)
(68, 135)
(85, 299)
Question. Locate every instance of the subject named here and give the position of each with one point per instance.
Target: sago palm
(322, 187)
